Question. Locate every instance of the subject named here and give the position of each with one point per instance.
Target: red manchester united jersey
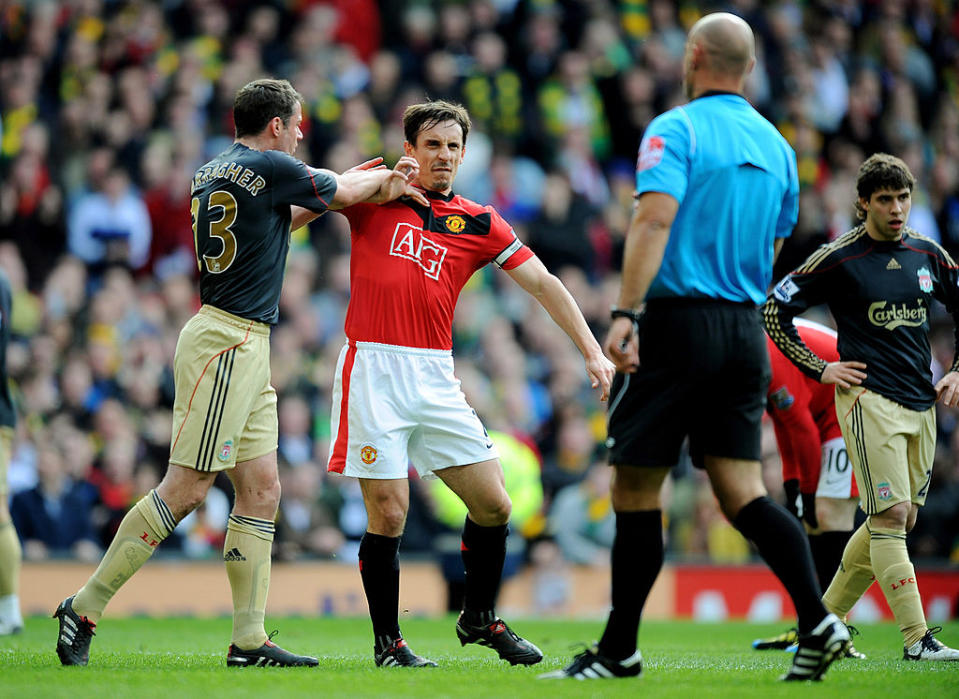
(410, 262)
(802, 409)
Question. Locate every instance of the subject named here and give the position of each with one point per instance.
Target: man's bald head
(727, 43)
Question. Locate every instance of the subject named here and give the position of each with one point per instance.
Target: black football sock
(380, 571)
(637, 558)
(827, 551)
(484, 551)
(782, 543)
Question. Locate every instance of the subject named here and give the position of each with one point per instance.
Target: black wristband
(615, 313)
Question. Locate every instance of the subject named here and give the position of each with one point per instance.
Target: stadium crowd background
(108, 107)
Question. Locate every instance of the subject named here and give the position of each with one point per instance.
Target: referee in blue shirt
(717, 193)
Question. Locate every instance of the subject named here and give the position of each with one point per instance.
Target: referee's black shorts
(703, 373)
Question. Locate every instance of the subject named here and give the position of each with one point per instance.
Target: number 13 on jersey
(219, 228)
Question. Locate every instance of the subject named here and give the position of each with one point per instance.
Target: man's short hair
(881, 171)
(419, 117)
(256, 103)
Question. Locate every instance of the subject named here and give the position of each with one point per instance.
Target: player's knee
(263, 494)
(390, 520)
(268, 494)
(182, 498)
(496, 513)
(895, 517)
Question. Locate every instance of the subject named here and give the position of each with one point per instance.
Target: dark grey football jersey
(240, 204)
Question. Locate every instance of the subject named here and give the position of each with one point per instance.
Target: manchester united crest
(368, 454)
(455, 224)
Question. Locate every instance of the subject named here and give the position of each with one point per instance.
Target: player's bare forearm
(374, 185)
(300, 217)
(562, 308)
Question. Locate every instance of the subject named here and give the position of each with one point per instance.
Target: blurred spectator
(570, 100)
(560, 234)
(111, 226)
(581, 518)
(492, 91)
(295, 423)
(306, 523)
(31, 207)
(54, 518)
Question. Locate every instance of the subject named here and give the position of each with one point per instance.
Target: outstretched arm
(533, 276)
(369, 182)
(377, 185)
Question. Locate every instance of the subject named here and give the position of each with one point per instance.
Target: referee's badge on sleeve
(785, 289)
(650, 152)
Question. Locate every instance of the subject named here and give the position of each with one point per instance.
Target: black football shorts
(703, 374)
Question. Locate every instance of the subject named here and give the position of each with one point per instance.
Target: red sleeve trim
(517, 258)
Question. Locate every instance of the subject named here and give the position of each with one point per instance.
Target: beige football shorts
(891, 448)
(224, 411)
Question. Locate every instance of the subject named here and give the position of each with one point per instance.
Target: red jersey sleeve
(506, 250)
(797, 434)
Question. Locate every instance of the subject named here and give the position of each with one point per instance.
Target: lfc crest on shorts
(368, 454)
(226, 450)
(925, 280)
(883, 491)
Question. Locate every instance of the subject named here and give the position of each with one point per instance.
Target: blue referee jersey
(734, 176)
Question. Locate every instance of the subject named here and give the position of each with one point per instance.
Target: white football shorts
(393, 406)
(836, 478)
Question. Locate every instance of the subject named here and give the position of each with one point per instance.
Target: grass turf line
(186, 658)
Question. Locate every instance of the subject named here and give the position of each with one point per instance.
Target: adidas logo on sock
(234, 555)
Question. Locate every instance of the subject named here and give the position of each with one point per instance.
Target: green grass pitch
(174, 658)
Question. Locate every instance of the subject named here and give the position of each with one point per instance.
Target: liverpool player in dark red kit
(395, 398)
